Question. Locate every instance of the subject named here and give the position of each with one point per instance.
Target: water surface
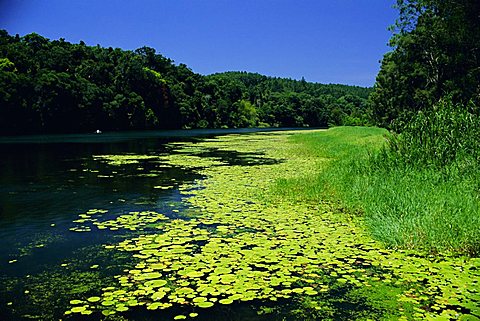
(46, 181)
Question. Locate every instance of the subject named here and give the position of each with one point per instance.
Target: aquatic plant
(241, 243)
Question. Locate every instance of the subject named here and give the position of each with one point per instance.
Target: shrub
(446, 134)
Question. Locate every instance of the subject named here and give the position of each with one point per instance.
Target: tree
(55, 86)
(436, 53)
(244, 114)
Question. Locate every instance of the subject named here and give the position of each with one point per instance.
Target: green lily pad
(225, 301)
(93, 299)
(76, 302)
(205, 304)
(78, 309)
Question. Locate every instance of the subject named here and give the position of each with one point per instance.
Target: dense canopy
(436, 55)
(57, 86)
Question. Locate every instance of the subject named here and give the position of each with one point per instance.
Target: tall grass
(417, 190)
(426, 182)
(439, 137)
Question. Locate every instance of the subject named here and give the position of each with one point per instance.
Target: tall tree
(56, 86)
(436, 52)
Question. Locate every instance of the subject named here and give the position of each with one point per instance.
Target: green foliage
(241, 241)
(405, 205)
(448, 133)
(6, 65)
(419, 208)
(289, 103)
(422, 188)
(156, 75)
(435, 54)
(246, 114)
(56, 86)
(429, 180)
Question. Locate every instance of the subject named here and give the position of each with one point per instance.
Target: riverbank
(428, 209)
(232, 227)
(255, 235)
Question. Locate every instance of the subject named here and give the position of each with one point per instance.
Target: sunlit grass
(403, 206)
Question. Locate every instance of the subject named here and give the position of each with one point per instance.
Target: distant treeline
(56, 87)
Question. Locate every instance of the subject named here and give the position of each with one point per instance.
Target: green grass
(417, 207)
(334, 149)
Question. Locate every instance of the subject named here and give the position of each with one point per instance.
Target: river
(199, 225)
(46, 181)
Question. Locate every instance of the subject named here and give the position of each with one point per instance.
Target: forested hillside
(56, 86)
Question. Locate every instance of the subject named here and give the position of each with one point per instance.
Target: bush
(422, 190)
(446, 134)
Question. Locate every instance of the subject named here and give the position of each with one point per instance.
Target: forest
(59, 87)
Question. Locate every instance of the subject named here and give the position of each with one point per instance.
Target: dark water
(45, 182)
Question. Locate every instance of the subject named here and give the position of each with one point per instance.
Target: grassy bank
(416, 207)
(233, 245)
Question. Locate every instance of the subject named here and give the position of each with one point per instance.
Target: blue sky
(327, 41)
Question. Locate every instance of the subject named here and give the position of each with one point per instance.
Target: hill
(58, 87)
